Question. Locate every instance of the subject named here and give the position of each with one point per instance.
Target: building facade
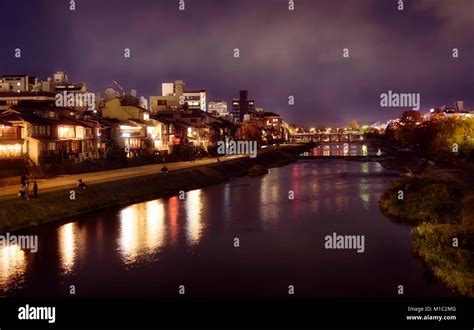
(242, 106)
(175, 97)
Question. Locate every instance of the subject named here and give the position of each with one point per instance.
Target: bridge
(352, 136)
(368, 158)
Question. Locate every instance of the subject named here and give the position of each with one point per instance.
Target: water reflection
(149, 239)
(227, 203)
(155, 225)
(341, 149)
(12, 263)
(142, 230)
(364, 193)
(67, 246)
(173, 213)
(193, 206)
(364, 187)
(364, 167)
(269, 209)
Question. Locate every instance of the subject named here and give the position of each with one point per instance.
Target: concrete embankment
(17, 214)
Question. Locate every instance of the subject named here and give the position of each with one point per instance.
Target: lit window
(66, 132)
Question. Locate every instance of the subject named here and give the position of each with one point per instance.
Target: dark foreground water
(151, 248)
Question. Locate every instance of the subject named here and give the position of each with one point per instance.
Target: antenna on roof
(117, 84)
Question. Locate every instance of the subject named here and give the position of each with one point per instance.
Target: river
(151, 248)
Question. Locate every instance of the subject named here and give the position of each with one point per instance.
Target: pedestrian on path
(27, 189)
(35, 190)
(81, 184)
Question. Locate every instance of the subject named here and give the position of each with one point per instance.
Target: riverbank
(441, 206)
(18, 214)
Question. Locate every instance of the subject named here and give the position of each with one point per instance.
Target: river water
(151, 248)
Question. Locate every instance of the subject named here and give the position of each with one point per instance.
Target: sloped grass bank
(423, 199)
(444, 234)
(452, 265)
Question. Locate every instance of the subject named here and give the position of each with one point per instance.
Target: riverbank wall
(67, 203)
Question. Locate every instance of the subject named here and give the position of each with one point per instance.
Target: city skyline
(220, 157)
(388, 50)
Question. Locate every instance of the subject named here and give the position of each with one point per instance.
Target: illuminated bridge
(352, 136)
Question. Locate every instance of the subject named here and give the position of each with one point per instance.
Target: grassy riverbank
(418, 199)
(443, 236)
(17, 214)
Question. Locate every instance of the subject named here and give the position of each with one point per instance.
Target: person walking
(35, 190)
(27, 189)
(21, 193)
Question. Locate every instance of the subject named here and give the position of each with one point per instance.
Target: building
(47, 134)
(271, 125)
(242, 106)
(193, 130)
(120, 109)
(457, 111)
(174, 97)
(19, 83)
(15, 89)
(195, 100)
(131, 128)
(459, 106)
(9, 99)
(11, 143)
(128, 126)
(218, 109)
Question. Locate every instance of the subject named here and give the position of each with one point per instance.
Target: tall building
(242, 106)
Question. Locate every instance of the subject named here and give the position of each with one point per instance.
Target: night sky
(282, 52)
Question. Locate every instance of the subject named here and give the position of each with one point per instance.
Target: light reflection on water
(193, 208)
(146, 227)
(341, 149)
(142, 244)
(142, 230)
(67, 246)
(12, 263)
(269, 210)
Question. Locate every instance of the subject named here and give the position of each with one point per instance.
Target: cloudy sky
(282, 52)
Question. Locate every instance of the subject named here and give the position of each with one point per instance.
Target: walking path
(70, 181)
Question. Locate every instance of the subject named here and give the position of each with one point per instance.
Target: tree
(249, 132)
(411, 117)
(391, 131)
(353, 125)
